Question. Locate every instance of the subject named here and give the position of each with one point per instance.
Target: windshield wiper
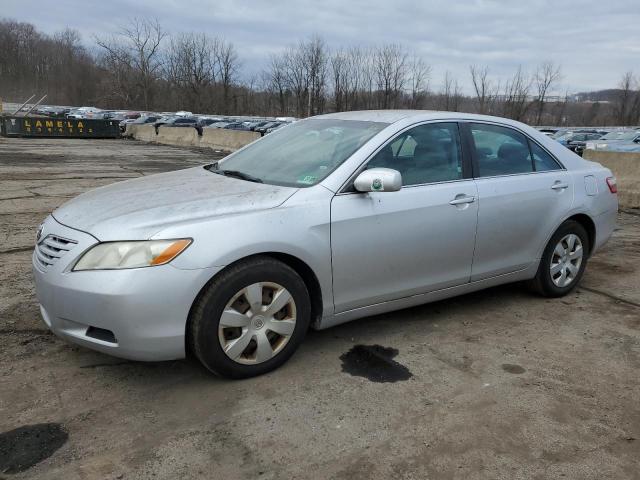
(237, 174)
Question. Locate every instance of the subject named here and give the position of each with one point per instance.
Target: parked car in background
(253, 124)
(163, 120)
(612, 140)
(177, 121)
(84, 112)
(146, 119)
(205, 122)
(220, 124)
(143, 119)
(570, 134)
(577, 141)
(182, 122)
(237, 126)
(633, 147)
(121, 115)
(42, 110)
(262, 129)
(548, 131)
(276, 127)
(331, 219)
(53, 111)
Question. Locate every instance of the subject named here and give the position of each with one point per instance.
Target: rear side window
(542, 161)
(504, 151)
(500, 151)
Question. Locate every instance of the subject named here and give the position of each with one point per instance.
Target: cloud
(595, 42)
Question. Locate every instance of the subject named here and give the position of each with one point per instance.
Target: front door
(390, 245)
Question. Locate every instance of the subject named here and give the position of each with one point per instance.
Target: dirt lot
(497, 384)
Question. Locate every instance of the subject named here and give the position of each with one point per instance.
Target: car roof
(393, 116)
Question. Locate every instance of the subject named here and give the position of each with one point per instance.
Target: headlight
(117, 255)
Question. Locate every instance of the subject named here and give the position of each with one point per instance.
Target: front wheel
(563, 261)
(250, 319)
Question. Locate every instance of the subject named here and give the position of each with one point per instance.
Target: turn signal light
(171, 252)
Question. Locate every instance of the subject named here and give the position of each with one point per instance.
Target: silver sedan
(324, 221)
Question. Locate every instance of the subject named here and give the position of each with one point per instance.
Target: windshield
(303, 153)
(620, 136)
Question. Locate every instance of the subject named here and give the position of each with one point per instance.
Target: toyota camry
(329, 219)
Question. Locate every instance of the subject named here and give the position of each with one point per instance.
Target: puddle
(374, 363)
(515, 369)
(23, 447)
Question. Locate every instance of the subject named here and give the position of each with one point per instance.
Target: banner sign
(55, 127)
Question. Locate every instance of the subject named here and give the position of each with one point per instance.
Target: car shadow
(376, 329)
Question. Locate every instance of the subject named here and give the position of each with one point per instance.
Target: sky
(595, 42)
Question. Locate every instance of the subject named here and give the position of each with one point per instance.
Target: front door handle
(459, 200)
(559, 186)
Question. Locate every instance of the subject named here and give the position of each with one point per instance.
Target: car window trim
(466, 158)
(465, 128)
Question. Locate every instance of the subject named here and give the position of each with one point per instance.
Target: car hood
(139, 208)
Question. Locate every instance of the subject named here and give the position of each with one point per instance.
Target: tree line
(144, 67)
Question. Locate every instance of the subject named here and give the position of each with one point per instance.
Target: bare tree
(483, 87)
(626, 106)
(142, 66)
(339, 75)
(302, 71)
(356, 64)
(189, 68)
(516, 95)
(314, 59)
(276, 81)
(419, 74)
(228, 65)
(547, 74)
(136, 51)
(451, 94)
(390, 73)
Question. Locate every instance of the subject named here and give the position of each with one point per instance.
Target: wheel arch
(588, 224)
(299, 266)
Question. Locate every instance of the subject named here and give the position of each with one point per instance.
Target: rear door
(523, 194)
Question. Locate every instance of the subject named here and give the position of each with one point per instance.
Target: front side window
(424, 154)
(303, 153)
(504, 151)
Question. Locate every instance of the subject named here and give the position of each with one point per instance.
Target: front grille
(51, 248)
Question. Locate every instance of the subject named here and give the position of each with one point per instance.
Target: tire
(216, 341)
(551, 284)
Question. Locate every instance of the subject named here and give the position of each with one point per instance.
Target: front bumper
(146, 309)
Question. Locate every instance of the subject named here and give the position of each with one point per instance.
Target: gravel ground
(499, 384)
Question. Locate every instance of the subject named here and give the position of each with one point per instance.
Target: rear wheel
(563, 261)
(250, 319)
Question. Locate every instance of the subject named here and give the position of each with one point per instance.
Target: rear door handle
(559, 186)
(460, 200)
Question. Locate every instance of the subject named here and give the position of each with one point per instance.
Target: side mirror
(378, 180)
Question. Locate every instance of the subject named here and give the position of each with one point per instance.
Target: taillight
(612, 184)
